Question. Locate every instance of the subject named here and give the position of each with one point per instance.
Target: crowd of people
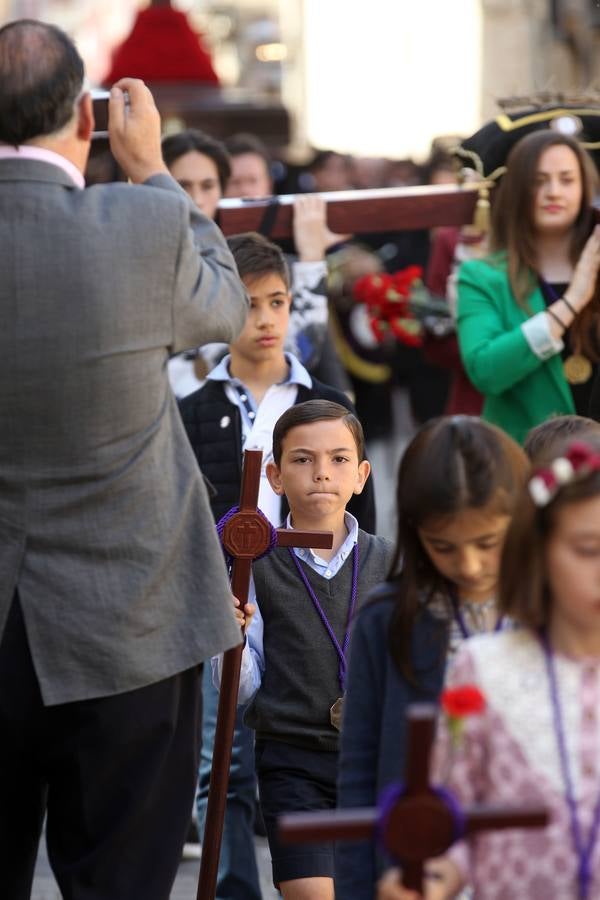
(141, 353)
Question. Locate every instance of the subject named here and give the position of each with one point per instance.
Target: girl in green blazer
(529, 315)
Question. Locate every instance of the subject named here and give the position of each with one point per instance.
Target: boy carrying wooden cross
(294, 661)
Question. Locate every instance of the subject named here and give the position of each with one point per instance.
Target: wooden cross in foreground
(421, 824)
(245, 537)
(357, 212)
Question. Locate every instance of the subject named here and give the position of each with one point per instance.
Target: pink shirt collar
(25, 151)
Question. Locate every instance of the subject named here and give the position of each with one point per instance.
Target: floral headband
(579, 460)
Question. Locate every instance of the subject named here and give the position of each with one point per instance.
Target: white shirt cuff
(248, 675)
(539, 337)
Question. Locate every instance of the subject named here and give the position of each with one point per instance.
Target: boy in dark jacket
(235, 410)
(252, 386)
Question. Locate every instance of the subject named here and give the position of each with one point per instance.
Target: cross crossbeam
(421, 824)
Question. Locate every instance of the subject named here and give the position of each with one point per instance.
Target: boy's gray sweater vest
(301, 678)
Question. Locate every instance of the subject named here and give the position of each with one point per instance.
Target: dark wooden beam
(359, 212)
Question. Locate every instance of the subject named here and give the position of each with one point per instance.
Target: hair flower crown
(578, 462)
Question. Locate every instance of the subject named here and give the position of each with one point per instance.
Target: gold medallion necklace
(576, 367)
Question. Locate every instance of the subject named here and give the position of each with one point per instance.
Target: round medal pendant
(577, 369)
(335, 713)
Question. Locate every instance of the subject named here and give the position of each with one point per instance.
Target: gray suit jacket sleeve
(209, 301)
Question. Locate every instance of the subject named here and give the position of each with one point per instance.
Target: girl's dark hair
(513, 229)
(450, 465)
(524, 593)
(176, 145)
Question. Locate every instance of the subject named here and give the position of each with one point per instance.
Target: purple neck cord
(460, 621)
(341, 651)
(584, 851)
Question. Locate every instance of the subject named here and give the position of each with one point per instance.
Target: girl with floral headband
(457, 487)
(538, 740)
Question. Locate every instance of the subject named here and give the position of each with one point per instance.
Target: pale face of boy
(319, 470)
(199, 177)
(466, 548)
(263, 336)
(573, 568)
(250, 177)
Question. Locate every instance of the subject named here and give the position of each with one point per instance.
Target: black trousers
(116, 775)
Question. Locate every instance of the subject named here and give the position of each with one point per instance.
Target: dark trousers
(116, 776)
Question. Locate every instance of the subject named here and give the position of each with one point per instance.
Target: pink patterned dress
(510, 755)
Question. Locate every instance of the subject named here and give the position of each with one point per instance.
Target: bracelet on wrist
(569, 305)
(556, 318)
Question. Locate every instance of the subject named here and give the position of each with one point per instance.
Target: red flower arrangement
(458, 703)
(466, 700)
(388, 302)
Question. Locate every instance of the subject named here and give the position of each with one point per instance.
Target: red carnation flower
(466, 700)
(405, 278)
(458, 703)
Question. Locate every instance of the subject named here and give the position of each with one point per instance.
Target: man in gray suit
(112, 584)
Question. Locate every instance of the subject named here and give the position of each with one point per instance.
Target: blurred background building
(376, 79)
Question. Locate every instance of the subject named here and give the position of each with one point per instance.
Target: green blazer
(519, 388)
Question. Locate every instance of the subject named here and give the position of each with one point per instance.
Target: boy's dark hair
(542, 441)
(452, 464)
(176, 145)
(316, 411)
(41, 76)
(248, 143)
(321, 158)
(524, 591)
(255, 256)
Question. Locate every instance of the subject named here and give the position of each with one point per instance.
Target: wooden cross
(246, 536)
(421, 824)
(358, 212)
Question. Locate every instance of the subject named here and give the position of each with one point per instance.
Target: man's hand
(311, 234)
(244, 617)
(134, 130)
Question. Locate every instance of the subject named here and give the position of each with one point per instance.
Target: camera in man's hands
(100, 108)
